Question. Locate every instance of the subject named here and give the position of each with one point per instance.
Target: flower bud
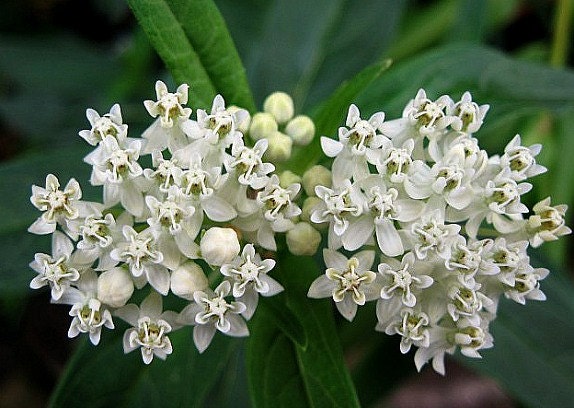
(303, 239)
(308, 207)
(315, 176)
(243, 126)
(279, 148)
(287, 178)
(280, 105)
(301, 129)
(187, 279)
(263, 125)
(219, 246)
(115, 287)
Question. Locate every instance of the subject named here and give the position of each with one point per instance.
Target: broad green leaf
(533, 356)
(103, 376)
(332, 113)
(192, 39)
(307, 48)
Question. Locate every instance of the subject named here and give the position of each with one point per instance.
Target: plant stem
(560, 42)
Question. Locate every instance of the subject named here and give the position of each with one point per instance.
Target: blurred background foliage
(59, 57)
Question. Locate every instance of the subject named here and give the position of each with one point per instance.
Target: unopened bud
(279, 149)
(303, 239)
(115, 287)
(301, 129)
(263, 125)
(243, 125)
(309, 206)
(187, 279)
(316, 176)
(287, 178)
(219, 246)
(280, 105)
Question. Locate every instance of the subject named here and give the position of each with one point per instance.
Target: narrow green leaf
(193, 41)
(274, 377)
(332, 114)
(279, 369)
(274, 310)
(103, 376)
(321, 363)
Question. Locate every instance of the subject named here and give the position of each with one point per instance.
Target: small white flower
(89, 315)
(119, 172)
(213, 133)
(468, 116)
(150, 328)
(140, 251)
(413, 327)
(429, 116)
(339, 204)
(248, 273)
(58, 270)
(169, 105)
(521, 160)
(547, 223)
(211, 312)
(432, 235)
(404, 279)
(167, 173)
(59, 207)
(348, 281)
(248, 165)
(110, 124)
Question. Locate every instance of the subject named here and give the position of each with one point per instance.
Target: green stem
(560, 42)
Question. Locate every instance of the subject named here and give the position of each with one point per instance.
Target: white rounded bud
(280, 105)
(243, 127)
(303, 239)
(316, 176)
(263, 125)
(279, 148)
(287, 178)
(301, 129)
(188, 278)
(115, 287)
(219, 246)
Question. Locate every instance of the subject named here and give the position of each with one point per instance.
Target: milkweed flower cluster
(189, 224)
(416, 191)
(413, 194)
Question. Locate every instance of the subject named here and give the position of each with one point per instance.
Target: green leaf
(103, 376)
(307, 48)
(533, 356)
(332, 113)
(273, 308)
(193, 41)
(280, 368)
(274, 377)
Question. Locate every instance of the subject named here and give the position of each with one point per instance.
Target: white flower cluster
(446, 220)
(175, 226)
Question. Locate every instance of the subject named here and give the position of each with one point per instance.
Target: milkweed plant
(409, 214)
(410, 193)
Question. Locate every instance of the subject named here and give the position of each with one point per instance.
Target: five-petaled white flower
(150, 328)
